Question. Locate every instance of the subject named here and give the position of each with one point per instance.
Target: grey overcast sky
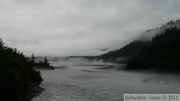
(79, 27)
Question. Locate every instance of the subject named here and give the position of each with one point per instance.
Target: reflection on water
(80, 81)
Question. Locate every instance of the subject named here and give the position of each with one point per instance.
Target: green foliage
(16, 73)
(162, 53)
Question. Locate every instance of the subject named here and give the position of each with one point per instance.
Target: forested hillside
(127, 51)
(161, 53)
(133, 48)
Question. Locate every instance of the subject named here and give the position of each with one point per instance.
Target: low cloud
(79, 27)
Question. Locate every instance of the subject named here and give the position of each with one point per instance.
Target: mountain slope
(163, 52)
(134, 47)
(129, 50)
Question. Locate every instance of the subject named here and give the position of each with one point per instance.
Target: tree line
(41, 64)
(16, 75)
(162, 53)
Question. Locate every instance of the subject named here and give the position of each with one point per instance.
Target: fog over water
(67, 28)
(82, 81)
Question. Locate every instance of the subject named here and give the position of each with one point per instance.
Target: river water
(81, 81)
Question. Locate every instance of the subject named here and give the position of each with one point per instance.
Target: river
(81, 81)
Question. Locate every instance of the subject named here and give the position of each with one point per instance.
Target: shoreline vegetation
(41, 65)
(19, 81)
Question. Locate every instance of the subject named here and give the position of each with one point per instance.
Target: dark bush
(16, 73)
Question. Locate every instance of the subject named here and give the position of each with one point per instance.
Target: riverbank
(122, 67)
(43, 68)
